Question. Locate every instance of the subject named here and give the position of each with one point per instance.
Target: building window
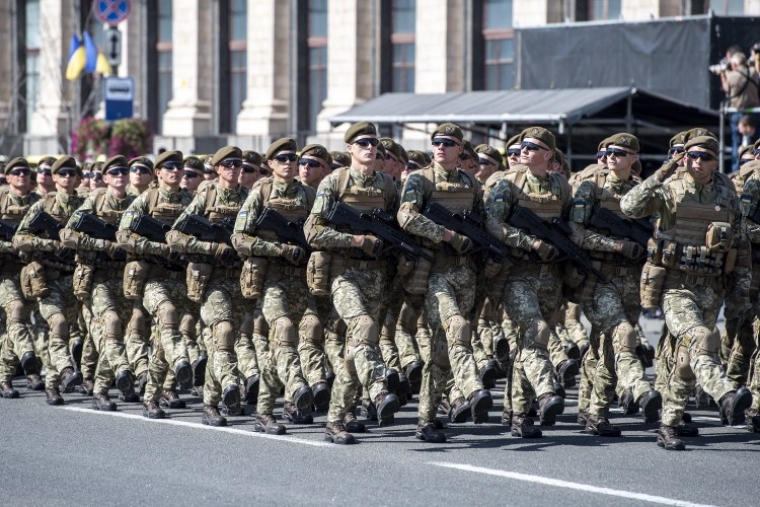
(317, 44)
(233, 62)
(164, 50)
(403, 21)
(31, 70)
(727, 7)
(603, 9)
(498, 35)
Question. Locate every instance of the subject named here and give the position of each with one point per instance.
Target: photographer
(741, 86)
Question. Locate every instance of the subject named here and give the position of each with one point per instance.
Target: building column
(351, 61)
(189, 111)
(439, 62)
(265, 110)
(8, 86)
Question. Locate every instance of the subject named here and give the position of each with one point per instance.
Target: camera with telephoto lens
(720, 67)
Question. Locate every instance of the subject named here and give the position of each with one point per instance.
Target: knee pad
(224, 337)
(310, 329)
(137, 323)
(458, 332)
(167, 316)
(111, 325)
(336, 325)
(365, 331)
(624, 338)
(539, 333)
(284, 333)
(17, 313)
(58, 326)
(683, 364)
(260, 326)
(187, 326)
(703, 341)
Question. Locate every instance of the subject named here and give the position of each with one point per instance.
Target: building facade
(245, 72)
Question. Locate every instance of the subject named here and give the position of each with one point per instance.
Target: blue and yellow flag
(90, 53)
(77, 59)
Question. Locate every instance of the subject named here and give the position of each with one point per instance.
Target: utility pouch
(652, 283)
(83, 281)
(318, 273)
(197, 276)
(719, 237)
(416, 282)
(33, 281)
(135, 276)
(252, 277)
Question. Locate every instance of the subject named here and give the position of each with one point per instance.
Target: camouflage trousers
(393, 300)
(411, 317)
(614, 312)
(437, 377)
(285, 301)
(357, 296)
(248, 364)
(687, 310)
(137, 338)
(753, 378)
(532, 299)
(59, 309)
(162, 295)
(576, 332)
(17, 339)
(451, 293)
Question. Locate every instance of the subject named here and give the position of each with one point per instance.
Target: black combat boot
(523, 427)
(101, 402)
(70, 379)
(650, 403)
(601, 427)
(427, 431)
(549, 407)
(480, 403)
(303, 399)
(392, 379)
(459, 411)
(7, 391)
(212, 417)
(628, 403)
(54, 397)
(151, 410)
(489, 374)
(295, 416)
(267, 424)
(125, 382)
(252, 389)
(733, 404)
(34, 382)
(336, 433)
(231, 399)
(184, 374)
(30, 364)
(667, 438)
(170, 399)
(567, 371)
(572, 350)
(414, 374)
(86, 387)
(753, 420)
(142, 381)
(321, 393)
(199, 371)
(352, 424)
(386, 404)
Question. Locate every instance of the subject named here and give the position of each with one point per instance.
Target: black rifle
(556, 233)
(470, 224)
(375, 223)
(636, 230)
(42, 221)
(204, 229)
(287, 231)
(149, 228)
(94, 226)
(6, 231)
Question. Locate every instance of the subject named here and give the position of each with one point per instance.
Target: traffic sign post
(111, 12)
(112, 47)
(119, 95)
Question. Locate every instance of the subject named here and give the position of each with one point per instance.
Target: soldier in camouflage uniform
(534, 291)
(58, 306)
(451, 284)
(215, 279)
(613, 305)
(702, 256)
(357, 277)
(286, 304)
(17, 344)
(164, 289)
(108, 308)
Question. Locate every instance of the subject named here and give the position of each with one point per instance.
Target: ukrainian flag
(84, 56)
(77, 59)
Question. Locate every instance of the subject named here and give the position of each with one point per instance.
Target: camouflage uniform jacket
(13, 208)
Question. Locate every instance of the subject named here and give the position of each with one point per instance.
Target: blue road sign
(111, 12)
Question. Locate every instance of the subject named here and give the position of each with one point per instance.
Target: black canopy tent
(580, 117)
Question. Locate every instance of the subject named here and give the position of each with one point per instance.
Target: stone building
(211, 72)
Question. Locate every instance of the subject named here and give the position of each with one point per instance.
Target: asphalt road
(73, 455)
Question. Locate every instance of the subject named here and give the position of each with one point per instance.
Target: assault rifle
(470, 224)
(556, 233)
(6, 231)
(149, 228)
(378, 224)
(94, 226)
(42, 221)
(636, 230)
(287, 231)
(204, 229)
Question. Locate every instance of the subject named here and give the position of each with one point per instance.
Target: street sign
(112, 47)
(119, 96)
(111, 12)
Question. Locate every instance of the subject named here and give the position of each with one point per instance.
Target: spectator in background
(748, 130)
(741, 86)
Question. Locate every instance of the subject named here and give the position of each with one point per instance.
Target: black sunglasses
(172, 166)
(677, 149)
(231, 162)
(514, 152)
(448, 143)
(617, 153)
(412, 165)
(311, 164)
(601, 153)
(484, 161)
(20, 172)
(286, 157)
(741, 162)
(139, 169)
(694, 155)
(248, 168)
(45, 172)
(369, 141)
(527, 145)
(66, 173)
(191, 175)
(118, 171)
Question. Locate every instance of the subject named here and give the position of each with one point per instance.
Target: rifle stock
(287, 231)
(94, 226)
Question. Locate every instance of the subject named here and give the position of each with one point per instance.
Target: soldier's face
(171, 175)
(363, 150)
(535, 153)
(701, 163)
(19, 178)
(191, 179)
(115, 180)
(66, 180)
(310, 171)
(513, 155)
(619, 159)
(446, 151)
(229, 169)
(284, 165)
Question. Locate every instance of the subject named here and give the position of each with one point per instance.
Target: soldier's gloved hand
(460, 243)
(293, 254)
(667, 170)
(630, 249)
(69, 238)
(224, 252)
(162, 250)
(546, 251)
(371, 245)
(114, 251)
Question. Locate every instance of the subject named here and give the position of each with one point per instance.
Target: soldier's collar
(168, 195)
(355, 174)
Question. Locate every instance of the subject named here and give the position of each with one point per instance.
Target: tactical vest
(611, 202)
(363, 199)
(50, 205)
(11, 213)
(163, 211)
(455, 197)
(218, 213)
(101, 209)
(293, 210)
(546, 206)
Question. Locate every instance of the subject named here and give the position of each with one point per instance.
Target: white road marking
(569, 485)
(247, 433)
